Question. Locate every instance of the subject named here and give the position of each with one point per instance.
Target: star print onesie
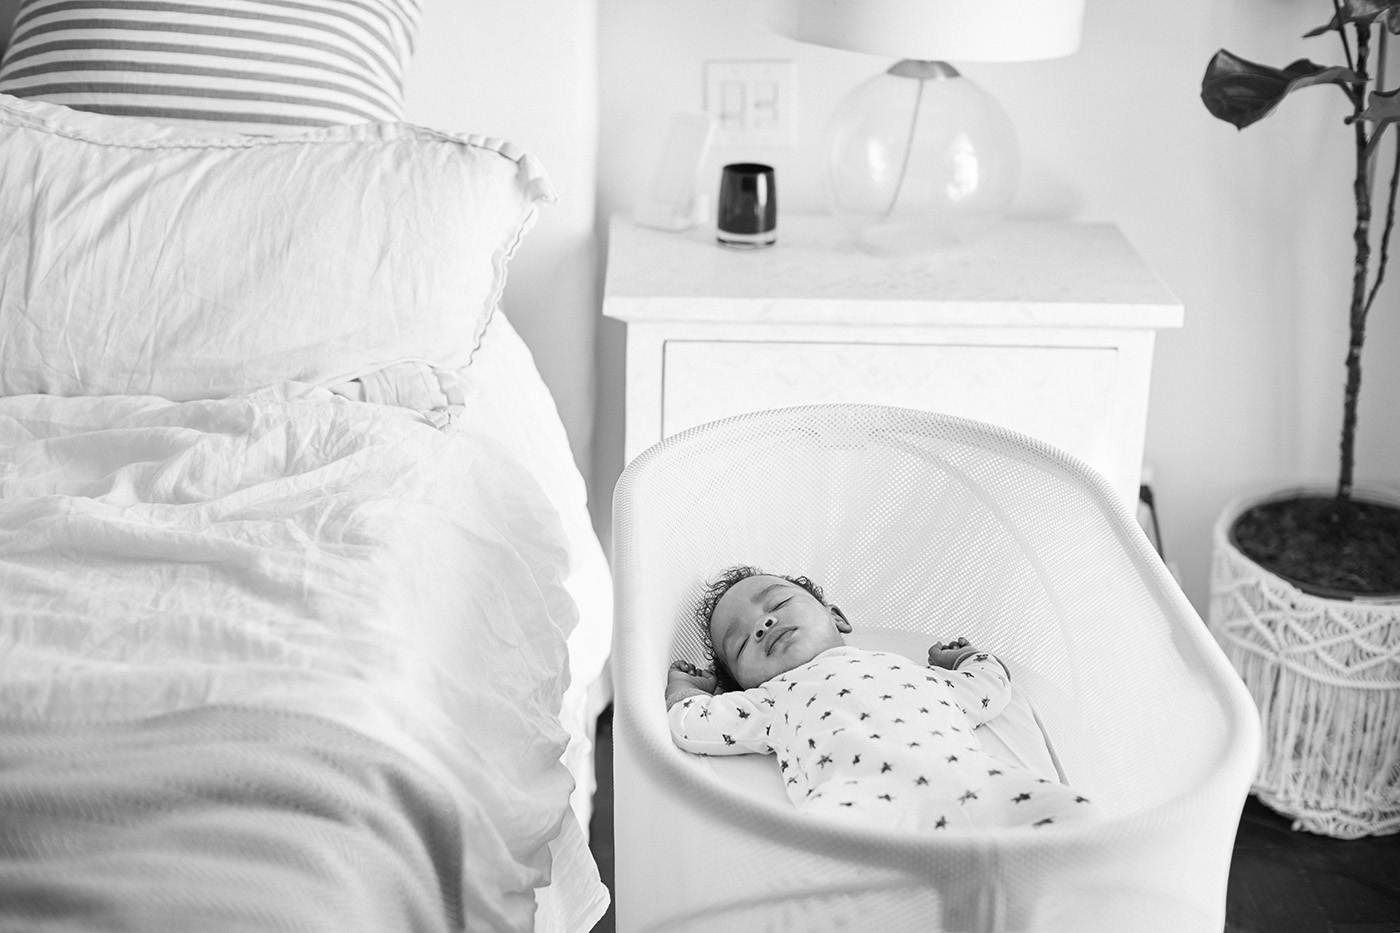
(875, 737)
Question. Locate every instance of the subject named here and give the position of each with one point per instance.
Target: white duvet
(296, 550)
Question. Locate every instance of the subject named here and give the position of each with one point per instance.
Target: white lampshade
(919, 157)
(935, 30)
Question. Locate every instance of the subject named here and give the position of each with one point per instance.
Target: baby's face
(764, 626)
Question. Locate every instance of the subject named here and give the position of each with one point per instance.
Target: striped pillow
(245, 66)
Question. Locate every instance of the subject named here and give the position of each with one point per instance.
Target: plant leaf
(1383, 109)
(1387, 12)
(1242, 92)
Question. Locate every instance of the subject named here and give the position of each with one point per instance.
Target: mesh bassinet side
(944, 526)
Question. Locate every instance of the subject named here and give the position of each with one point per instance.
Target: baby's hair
(714, 592)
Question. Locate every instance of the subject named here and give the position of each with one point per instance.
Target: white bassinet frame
(925, 522)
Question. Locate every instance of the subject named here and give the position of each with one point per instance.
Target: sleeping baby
(863, 735)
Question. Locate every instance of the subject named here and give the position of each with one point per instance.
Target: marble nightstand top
(1047, 273)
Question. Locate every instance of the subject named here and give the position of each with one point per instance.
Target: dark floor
(1293, 882)
(1280, 881)
(600, 829)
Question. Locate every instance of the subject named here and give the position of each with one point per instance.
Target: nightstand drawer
(1062, 395)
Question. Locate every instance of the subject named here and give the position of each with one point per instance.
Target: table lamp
(920, 157)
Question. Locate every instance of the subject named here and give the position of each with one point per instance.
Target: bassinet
(925, 526)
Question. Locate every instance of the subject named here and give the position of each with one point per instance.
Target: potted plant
(1305, 584)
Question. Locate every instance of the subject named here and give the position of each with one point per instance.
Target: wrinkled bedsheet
(222, 819)
(294, 551)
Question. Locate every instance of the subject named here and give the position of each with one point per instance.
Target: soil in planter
(1306, 541)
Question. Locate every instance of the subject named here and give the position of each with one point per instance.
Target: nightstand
(1043, 327)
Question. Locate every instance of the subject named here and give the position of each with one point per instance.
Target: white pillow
(137, 259)
(247, 66)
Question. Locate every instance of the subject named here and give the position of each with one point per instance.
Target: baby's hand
(947, 655)
(684, 674)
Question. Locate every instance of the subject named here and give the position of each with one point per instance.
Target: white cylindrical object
(935, 30)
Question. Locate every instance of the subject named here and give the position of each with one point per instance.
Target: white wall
(525, 70)
(1251, 230)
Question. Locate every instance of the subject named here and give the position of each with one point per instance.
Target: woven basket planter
(1325, 674)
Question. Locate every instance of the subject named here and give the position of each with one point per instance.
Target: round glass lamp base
(919, 158)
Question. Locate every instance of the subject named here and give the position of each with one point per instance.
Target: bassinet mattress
(295, 557)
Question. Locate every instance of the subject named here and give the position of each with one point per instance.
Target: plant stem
(1361, 188)
(1385, 237)
(1342, 33)
(1394, 186)
(1382, 47)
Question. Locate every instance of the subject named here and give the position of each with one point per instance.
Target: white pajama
(875, 737)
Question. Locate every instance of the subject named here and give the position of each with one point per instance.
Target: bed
(304, 617)
(924, 527)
